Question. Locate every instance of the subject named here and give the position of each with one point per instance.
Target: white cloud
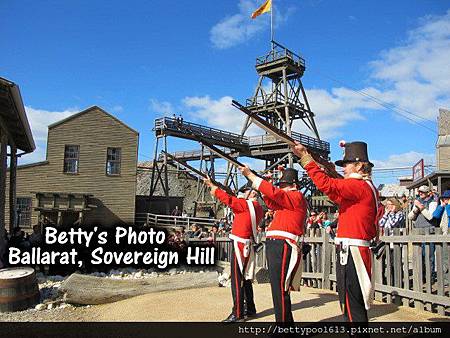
(413, 77)
(117, 109)
(405, 160)
(416, 75)
(39, 120)
(334, 110)
(239, 28)
(218, 114)
(37, 155)
(161, 107)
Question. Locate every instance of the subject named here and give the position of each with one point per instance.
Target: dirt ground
(214, 304)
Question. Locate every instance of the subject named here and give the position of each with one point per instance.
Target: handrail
(278, 52)
(165, 123)
(176, 221)
(304, 139)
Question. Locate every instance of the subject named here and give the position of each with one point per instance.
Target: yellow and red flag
(266, 7)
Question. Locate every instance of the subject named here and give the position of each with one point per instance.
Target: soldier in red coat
(248, 213)
(358, 202)
(283, 237)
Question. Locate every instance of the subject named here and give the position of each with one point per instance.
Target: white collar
(359, 177)
(355, 175)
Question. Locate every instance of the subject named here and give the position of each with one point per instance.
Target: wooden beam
(12, 189)
(3, 148)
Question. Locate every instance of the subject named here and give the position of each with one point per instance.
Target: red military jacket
(289, 207)
(356, 200)
(242, 224)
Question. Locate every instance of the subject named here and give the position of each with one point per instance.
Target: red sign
(418, 171)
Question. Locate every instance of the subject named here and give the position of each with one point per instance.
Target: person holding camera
(442, 212)
(424, 206)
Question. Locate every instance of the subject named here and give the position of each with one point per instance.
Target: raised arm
(279, 196)
(336, 189)
(236, 204)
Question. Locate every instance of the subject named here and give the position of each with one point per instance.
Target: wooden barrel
(18, 289)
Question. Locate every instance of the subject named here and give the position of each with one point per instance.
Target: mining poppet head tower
(279, 98)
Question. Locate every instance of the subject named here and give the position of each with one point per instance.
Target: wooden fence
(403, 275)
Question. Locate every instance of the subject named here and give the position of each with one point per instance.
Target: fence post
(326, 261)
(378, 275)
(417, 273)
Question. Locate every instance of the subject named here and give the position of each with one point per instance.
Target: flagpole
(271, 24)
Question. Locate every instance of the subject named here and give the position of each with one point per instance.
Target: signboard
(417, 171)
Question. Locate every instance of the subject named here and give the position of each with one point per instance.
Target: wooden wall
(94, 131)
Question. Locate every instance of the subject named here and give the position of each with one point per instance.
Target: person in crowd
(196, 231)
(268, 216)
(393, 217)
(405, 202)
(211, 213)
(332, 227)
(357, 199)
(176, 211)
(213, 233)
(314, 221)
(18, 239)
(283, 236)
(442, 212)
(247, 214)
(221, 232)
(422, 215)
(424, 206)
(36, 238)
(323, 216)
(442, 215)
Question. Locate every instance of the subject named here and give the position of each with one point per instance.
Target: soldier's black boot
(232, 318)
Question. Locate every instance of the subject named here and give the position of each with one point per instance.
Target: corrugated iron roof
(392, 190)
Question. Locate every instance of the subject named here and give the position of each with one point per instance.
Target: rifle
(200, 173)
(282, 136)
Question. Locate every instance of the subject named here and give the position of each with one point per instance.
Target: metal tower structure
(279, 98)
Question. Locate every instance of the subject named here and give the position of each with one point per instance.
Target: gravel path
(214, 304)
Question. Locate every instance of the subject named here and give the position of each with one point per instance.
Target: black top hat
(354, 152)
(289, 176)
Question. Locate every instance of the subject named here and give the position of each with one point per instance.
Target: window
(71, 158)
(113, 159)
(24, 212)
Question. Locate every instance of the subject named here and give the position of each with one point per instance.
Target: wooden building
(88, 177)
(15, 140)
(441, 177)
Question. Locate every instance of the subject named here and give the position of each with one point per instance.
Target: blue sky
(141, 59)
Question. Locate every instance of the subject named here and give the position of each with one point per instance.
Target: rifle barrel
(282, 136)
(200, 173)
